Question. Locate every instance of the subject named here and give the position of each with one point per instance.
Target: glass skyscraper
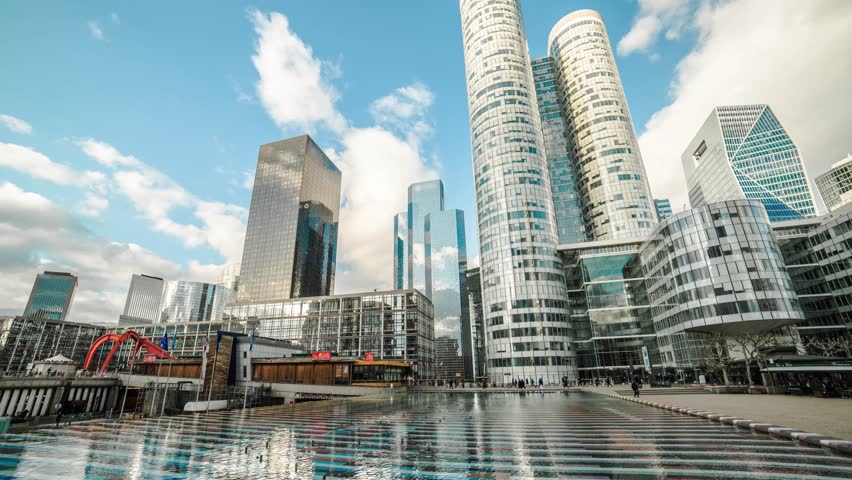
(423, 199)
(743, 151)
(523, 287)
(184, 301)
(51, 296)
(400, 250)
(610, 174)
(430, 254)
(291, 235)
(566, 203)
(143, 300)
(446, 262)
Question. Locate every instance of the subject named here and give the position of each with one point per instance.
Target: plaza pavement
(826, 416)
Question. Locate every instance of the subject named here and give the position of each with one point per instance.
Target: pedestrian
(635, 387)
(540, 382)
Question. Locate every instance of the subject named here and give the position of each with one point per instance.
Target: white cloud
(248, 180)
(96, 30)
(292, 87)
(15, 124)
(378, 163)
(654, 16)
(37, 234)
(106, 154)
(377, 168)
(93, 205)
(787, 55)
(156, 196)
(38, 165)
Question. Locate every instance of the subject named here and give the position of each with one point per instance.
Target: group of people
(527, 383)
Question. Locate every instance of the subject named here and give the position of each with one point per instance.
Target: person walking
(635, 387)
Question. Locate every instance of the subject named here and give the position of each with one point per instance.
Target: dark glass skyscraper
(51, 296)
(291, 237)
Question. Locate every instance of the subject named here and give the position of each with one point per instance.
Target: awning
(810, 368)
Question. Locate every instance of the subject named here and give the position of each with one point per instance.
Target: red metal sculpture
(151, 348)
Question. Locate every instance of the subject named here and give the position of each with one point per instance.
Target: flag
(251, 344)
(218, 339)
(164, 343)
(174, 339)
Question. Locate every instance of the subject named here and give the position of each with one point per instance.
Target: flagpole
(171, 361)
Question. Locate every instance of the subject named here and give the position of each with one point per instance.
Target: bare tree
(719, 359)
(836, 346)
(755, 347)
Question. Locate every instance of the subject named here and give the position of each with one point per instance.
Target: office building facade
(522, 280)
(184, 301)
(570, 226)
(835, 185)
(291, 235)
(610, 174)
(143, 300)
(663, 207)
(743, 152)
(818, 256)
(475, 327)
(51, 296)
(24, 341)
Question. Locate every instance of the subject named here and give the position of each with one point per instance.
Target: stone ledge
(813, 439)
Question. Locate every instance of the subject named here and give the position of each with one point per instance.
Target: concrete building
(663, 207)
(230, 277)
(51, 296)
(610, 174)
(835, 185)
(291, 235)
(743, 152)
(522, 279)
(143, 300)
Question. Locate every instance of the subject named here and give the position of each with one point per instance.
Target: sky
(129, 131)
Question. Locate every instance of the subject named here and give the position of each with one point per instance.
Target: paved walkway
(827, 416)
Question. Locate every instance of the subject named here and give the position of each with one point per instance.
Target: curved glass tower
(523, 287)
(611, 178)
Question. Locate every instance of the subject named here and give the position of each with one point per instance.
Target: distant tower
(611, 178)
(522, 278)
(143, 300)
(663, 207)
(51, 296)
(835, 185)
(743, 151)
(230, 276)
(423, 199)
(400, 250)
(291, 236)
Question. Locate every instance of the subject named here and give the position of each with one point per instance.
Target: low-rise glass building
(392, 325)
(24, 341)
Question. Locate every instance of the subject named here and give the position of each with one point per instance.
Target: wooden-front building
(335, 371)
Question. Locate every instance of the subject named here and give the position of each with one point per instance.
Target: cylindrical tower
(523, 286)
(611, 178)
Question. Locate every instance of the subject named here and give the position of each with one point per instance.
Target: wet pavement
(428, 435)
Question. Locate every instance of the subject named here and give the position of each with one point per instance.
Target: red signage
(368, 357)
(149, 359)
(321, 356)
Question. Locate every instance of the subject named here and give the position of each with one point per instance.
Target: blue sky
(142, 121)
